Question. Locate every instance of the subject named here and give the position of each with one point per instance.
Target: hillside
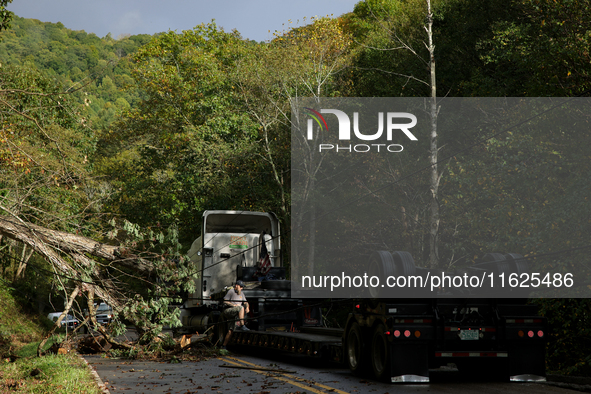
(96, 68)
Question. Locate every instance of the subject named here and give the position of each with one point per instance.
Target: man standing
(236, 299)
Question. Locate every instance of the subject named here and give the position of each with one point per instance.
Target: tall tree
(186, 147)
(401, 31)
(318, 54)
(433, 149)
(541, 49)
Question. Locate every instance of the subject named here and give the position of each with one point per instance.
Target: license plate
(469, 335)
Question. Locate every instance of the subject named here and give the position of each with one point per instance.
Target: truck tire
(380, 353)
(381, 264)
(521, 266)
(405, 263)
(500, 262)
(384, 264)
(355, 350)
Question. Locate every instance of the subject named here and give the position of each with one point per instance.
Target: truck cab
(229, 245)
(231, 239)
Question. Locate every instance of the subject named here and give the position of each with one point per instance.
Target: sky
(252, 18)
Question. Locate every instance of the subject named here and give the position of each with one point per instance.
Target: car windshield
(103, 307)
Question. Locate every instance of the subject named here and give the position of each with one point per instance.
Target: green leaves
(43, 140)
(94, 70)
(193, 143)
(5, 15)
(568, 321)
(539, 49)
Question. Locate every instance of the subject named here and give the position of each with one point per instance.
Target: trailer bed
(313, 341)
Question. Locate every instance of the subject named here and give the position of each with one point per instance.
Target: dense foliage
(156, 129)
(95, 70)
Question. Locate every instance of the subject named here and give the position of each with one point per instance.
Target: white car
(103, 313)
(69, 320)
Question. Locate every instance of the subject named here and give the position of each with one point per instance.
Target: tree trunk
(51, 243)
(23, 263)
(100, 328)
(433, 150)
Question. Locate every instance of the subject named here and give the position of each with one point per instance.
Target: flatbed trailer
(313, 342)
(401, 340)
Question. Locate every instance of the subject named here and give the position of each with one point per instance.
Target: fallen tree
(74, 255)
(86, 264)
(47, 242)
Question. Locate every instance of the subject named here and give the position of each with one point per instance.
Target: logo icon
(317, 117)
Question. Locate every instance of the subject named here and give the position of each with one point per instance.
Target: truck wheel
(355, 351)
(384, 264)
(405, 263)
(521, 266)
(381, 264)
(501, 263)
(380, 354)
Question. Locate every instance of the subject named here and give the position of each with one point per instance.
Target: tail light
(530, 334)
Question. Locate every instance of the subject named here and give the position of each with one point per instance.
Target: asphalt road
(278, 374)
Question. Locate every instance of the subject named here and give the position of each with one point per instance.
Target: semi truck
(391, 339)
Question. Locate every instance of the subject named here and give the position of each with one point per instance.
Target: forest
(111, 148)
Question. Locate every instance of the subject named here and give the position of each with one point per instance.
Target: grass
(58, 374)
(12, 321)
(20, 335)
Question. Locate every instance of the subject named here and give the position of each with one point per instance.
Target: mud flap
(409, 363)
(527, 363)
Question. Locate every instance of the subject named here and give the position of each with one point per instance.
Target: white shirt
(234, 298)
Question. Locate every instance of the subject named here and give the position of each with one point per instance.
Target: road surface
(280, 374)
